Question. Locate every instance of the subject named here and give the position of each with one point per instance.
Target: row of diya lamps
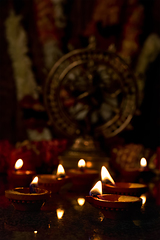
(114, 199)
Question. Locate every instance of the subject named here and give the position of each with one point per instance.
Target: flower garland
(22, 68)
(17, 47)
(50, 21)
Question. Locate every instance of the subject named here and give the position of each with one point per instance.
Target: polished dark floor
(78, 222)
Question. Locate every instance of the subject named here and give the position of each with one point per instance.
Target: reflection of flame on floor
(60, 213)
(81, 201)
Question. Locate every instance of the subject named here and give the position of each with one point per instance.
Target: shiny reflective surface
(64, 218)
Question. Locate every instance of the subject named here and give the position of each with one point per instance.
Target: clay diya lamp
(53, 183)
(114, 206)
(29, 198)
(133, 174)
(121, 188)
(82, 178)
(21, 178)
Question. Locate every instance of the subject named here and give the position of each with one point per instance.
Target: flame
(143, 197)
(60, 213)
(81, 201)
(81, 163)
(97, 188)
(18, 164)
(143, 162)
(60, 170)
(35, 180)
(35, 232)
(105, 175)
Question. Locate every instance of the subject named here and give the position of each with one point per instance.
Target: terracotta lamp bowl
(116, 206)
(51, 182)
(125, 188)
(82, 180)
(23, 200)
(21, 178)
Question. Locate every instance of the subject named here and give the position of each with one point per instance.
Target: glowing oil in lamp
(19, 177)
(122, 188)
(82, 177)
(29, 198)
(60, 213)
(114, 206)
(81, 201)
(54, 182)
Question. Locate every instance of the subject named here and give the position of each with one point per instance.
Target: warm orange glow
(89, 164)
(35, 232)
(81, 201)
(35, 180)
(105, 175)
(143, 197)
(60, 170)
(18, 164)
(60, 213)
(81, 163)
(97, 189)
(143, 162)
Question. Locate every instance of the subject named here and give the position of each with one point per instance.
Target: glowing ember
(18, 164)
(60, 171)
(143, 197)
(81, 163)
(81, 201)
(143, 162)
(96, 190)
(105, 175)
(60, 213)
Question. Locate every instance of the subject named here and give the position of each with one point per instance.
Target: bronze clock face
(89, 91)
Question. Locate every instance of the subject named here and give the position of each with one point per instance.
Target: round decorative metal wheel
(89, 91)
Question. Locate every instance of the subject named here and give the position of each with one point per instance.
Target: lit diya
(53, 183)
(121, 188)
(19, 177)
(133, 174)
(114, 206)
(29, 198)
(82, 177)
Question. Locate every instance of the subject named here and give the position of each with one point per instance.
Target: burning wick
(81, 164)
(96, 190)
(18, 164)
(143, 163)
(60, 171)
(33, 185)
(105, 176)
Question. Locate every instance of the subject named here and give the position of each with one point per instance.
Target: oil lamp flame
(18, 164)
(105, 175)
(60, 213)
(96, 190)
(35, 180)
(81, 201)
(81, 163)
(143, 162)
(33, 185)
(143, 197)
(60, 171)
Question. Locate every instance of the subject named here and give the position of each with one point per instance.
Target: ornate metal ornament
(90, 92)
